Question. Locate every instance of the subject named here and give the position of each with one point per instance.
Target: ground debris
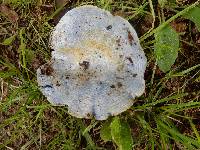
(9, 13)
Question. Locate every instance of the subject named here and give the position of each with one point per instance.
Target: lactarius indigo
(97, 66)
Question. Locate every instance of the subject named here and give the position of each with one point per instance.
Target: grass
(165, 117)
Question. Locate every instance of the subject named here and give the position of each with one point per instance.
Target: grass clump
(165, 117)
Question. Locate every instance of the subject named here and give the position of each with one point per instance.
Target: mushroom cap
(97, 66)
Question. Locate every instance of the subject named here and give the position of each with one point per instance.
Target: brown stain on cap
(101, 47)
(85, 64)
(130, 38)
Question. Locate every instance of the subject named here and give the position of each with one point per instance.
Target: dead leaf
(179, 26)
(9, 13)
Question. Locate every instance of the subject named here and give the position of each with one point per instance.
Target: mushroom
(97, 66)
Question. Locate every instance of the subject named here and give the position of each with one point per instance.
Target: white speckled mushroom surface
(97, 66)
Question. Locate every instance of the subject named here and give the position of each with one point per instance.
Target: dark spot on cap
(120, 78)
(112, 86)
(47, 86)
(85, 64)
(119, 84)
(109, 27)
(118, 42)
(93, 111)
(47, 70)
(57, 83)
(130, 59)
(130, 38)
(89, 115)
(67, 77)
(140, 56)
(134, 75)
